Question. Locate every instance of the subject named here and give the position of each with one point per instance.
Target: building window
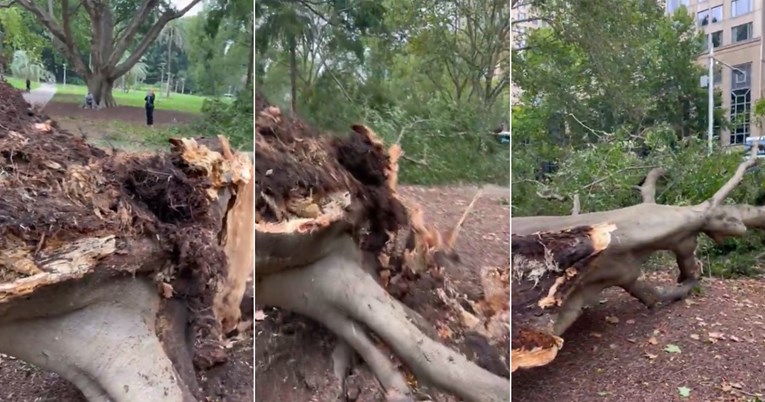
(702, 17)
(673, 5)
(741, 32)
(740, 103)
(717, 14)
(716, 41)
(740, 7)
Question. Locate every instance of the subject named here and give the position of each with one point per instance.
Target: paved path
(41, 95)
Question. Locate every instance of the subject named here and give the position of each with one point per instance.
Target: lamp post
(710, 94)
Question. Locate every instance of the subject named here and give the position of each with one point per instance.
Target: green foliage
(609, 96)
(449, 146)
(635, 68)
(396, 66)
(24, 67)
(14, 25)
(232, 119)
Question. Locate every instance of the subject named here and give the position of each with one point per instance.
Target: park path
(41, 95)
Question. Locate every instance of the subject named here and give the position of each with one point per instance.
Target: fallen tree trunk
(548, 267)
(638, 232)
(97, 248)
(335, 242)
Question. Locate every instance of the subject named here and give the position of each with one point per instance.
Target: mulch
(619, 351)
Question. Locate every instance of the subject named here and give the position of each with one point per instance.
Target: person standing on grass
(149, 108)
(29, 85)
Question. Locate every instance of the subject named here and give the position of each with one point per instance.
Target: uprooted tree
(120, 272)
(335, 242)
(562, 263)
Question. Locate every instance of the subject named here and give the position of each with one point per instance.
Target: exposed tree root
(108, 348)
(337, 292)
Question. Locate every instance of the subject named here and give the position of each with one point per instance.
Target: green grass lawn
(20, 84)
(76, 94)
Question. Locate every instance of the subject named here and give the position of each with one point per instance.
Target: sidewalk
(40, 96)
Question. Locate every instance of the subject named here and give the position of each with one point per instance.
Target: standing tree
(115, 29)
(172, 35)
(137, 73)
(284, 23)
(239, 12)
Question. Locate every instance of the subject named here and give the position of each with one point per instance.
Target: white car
(748, 146)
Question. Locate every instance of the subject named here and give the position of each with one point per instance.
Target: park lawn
(178, 102)
(20, 84)
(76, 94)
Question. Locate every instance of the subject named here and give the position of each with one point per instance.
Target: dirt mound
(118, 213)
(15, 112)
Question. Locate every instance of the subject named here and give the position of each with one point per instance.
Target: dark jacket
(149, 101)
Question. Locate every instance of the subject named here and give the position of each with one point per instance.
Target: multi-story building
(736, 27)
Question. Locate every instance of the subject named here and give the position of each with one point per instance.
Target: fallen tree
(634, 233)
(120, 272)
(336, 243)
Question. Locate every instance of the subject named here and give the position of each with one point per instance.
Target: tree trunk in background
(169, 60)
(101, 88)
(251, 60)
(2, 54)
(293, 75)
(250, 65)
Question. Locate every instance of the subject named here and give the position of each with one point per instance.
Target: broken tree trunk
(335, 242)
(638, 232)
(104, 258)
(547, 269)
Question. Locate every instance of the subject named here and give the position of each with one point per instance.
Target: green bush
(449, 145)
(232, 119)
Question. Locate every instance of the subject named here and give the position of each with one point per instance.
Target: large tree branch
(55, 29)
(731, 184)
(148, 39)
(130, 31)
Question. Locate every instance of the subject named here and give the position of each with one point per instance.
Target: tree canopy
(433, 75)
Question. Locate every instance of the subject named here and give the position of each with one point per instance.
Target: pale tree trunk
(101, 87)
(169, 59)
(250, 65)
(251, 59)
(293, 75)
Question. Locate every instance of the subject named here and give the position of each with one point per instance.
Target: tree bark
(169, 60)
(101, 87)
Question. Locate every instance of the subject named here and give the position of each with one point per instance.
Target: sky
(183, 3)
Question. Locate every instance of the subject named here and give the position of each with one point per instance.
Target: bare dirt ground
(122, 113)
(22, 382)
(709, 347)
(293, 354)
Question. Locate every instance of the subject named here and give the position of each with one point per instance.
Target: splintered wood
(69, 210)
(546, 268)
